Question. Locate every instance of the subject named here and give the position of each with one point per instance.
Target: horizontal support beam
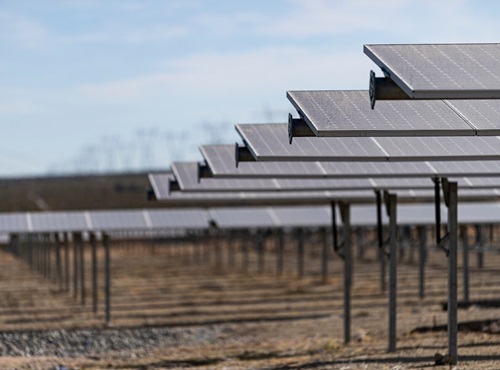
(383, 88)
(297, 127)
(242, 154)
(204, 171)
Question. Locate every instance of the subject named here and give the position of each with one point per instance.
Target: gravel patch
(98, 343)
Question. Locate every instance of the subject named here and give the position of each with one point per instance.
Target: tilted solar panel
(441, 71)
(348, 113)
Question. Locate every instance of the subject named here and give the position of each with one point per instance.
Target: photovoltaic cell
(186, 173)
(160, 183)
(178, 219)
(13, 222)
(440, 148)
(441, 71)
(482, 114)
(348, 113)
(267, 143)
(231, 218)
(220, 159)
(302, 216)
(124, 220)
(60, 221)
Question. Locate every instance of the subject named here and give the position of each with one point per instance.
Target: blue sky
(125, 84)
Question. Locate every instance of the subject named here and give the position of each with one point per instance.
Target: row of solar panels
(227, 218)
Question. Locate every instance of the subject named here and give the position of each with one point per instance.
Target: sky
(127, 85)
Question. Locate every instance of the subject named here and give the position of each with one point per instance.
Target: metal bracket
(242, 154)
(173, 185)
(297, 127)
(383, 88)
(442, 244)
(343, 207)
(203, 171)
(446, 191)
(387, 203)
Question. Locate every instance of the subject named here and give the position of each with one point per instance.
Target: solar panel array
(186, 175)
(220, 159)
(348, 113)
(441, 71)
(267, 142)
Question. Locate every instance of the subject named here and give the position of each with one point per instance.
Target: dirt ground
(252, 320)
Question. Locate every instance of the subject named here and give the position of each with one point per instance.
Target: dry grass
(260, 320)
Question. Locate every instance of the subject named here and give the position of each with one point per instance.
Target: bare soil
(232, 318)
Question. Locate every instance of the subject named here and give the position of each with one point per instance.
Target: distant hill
(75, 193)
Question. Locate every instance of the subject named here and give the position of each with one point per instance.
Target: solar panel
(186, 173)
(123, 220)
(177, 219)
(14, 222)
(302, 216)
(482, 114)
(57, 221)
(441, 71)
(241, 218)
(160, 183)
(267, 142)
(440, 148)
(220, 158)
(348, 113)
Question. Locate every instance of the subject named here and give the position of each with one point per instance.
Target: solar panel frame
(406, 63)
(347, 113)
(266, 143)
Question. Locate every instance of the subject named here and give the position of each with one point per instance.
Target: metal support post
(59, 278)
(81, 250)
(437, 210)
(480, 246)
(393, 261)
(280, 251)
(93, 245)
(345, 213)
(324, 255)
(300, 253)
(75, 265)
(465, 262)
(259, 244)
(380, 240)
(107, 276)
(452, 273)
(66, 262)
(422, 258)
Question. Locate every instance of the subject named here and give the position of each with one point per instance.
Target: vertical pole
(57, 241)
(244, 251)
(66, 262)
(47, 246)
(480, 246)
(360, 241)
(218, 253)
(452, 273)
(300, 253)
(93, 245)
(380, 239)
(260, 251)
(107, 275)
(324, 255)
(75, 265)
(393, 260)
(465, 256)
(422, 257)
(437, 210)
(230, 249)
(81, 251)
(345, 212)
(280, 251)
